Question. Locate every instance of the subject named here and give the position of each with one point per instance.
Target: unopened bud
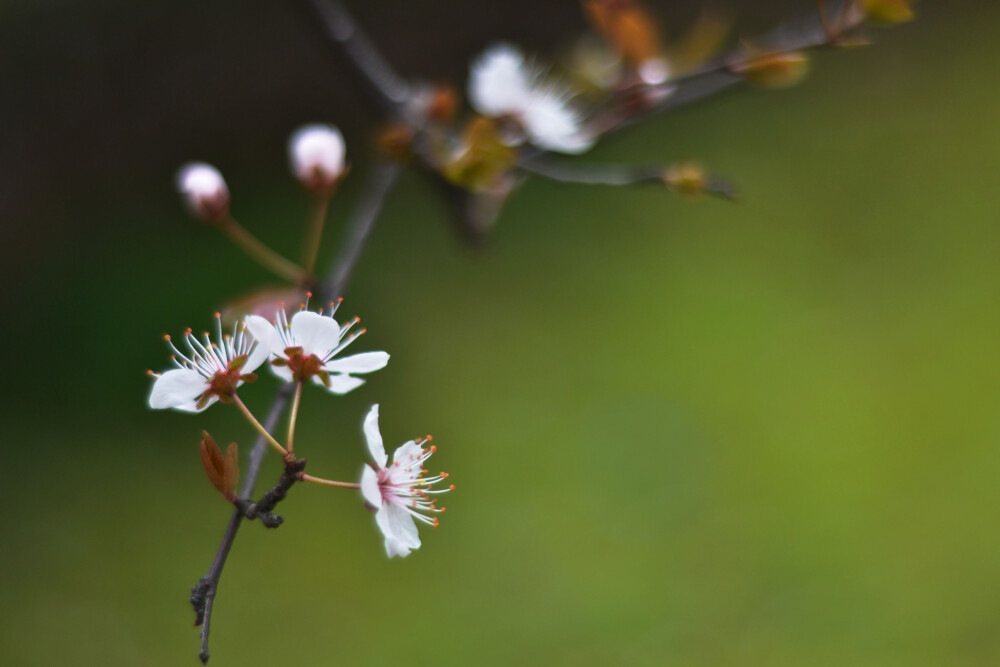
(777, 70)
(204, 190)
(443, 104)
(888, 11)
(316, 153)
(685, 179)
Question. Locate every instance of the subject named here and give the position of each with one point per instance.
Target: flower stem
(327, 482)
(294, 415)
(259, 251)
(317, 219)
(260, 428)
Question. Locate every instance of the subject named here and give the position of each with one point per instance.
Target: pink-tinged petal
(406, 452)
(366, 362)
(374, 438)
(178, 388)
(315, 333)
(265, 335)
(340, 384)
(369, 487)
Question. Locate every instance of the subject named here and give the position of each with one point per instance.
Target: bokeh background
(691, 433)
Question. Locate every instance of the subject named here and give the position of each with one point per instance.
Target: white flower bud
(316, 153)
(204, 190)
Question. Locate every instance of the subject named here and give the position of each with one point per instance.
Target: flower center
(303, 366)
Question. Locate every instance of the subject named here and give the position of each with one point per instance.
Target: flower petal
(553, 125)
(265, 335)
(339, 384)
(499, 82)
(315, 333)
(366, 362)
(178, 388)
(374, 438)
(369, 487)
(282, 372)
(399, 530)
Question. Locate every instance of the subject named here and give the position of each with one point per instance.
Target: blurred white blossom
(503, 84)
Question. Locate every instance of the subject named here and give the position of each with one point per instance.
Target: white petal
(398, 528)
(199, 180)
(315, 333)
(374, 438)
(282, 372)
(178, 388)
(265, 334)
(553, 125)
(369, 487)
(260, 353)
(498, 81)
(406, 452)
(339, 384)
(366, 362)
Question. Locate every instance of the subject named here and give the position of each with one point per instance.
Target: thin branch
(794, 35)
(668, 177)
(388, 90)
(381, 180)
(592, 174)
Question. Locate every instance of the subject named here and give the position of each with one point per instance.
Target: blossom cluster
(304, 348)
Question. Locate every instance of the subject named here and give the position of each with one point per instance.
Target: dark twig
(359, 230)
(388, 90)
(381, 178)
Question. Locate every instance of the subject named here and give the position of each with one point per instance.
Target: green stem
(293, 417)
(260, 252)
(259, 427)
(317, 220)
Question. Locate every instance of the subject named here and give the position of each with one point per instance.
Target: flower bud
(685, 179)
(204, 190)
(316, 153)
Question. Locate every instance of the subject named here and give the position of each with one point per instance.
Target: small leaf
(231, 471)
(776, 70)
(212, 461)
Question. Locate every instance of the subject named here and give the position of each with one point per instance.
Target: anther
(166, 337)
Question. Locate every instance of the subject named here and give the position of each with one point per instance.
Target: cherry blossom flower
(502, 84)
(204, 190)
(305, 347)
(316, 153)
(209, 371)
(399, 492)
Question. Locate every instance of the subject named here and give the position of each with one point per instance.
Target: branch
(387, 89)
(382, 177)
(685, 179)
(794, 35)
(380, 182)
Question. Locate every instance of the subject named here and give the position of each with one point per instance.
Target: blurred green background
(689, 433)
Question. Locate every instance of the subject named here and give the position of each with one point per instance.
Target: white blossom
(208, 371)
(316, 153)
(204, 190)
(399, 492)
(304, 348)
(503, 84)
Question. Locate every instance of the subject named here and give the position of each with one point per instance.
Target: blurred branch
(683, 178)
(809, 31)
(388, 90)
(380, 182)
(592, 174)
